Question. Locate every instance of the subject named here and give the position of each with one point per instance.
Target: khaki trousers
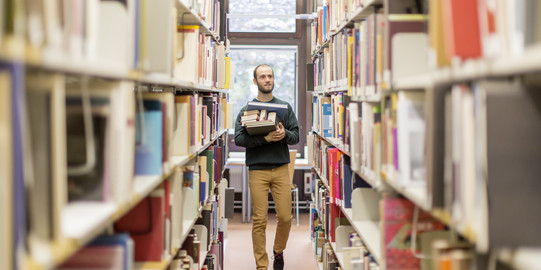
(260, 181)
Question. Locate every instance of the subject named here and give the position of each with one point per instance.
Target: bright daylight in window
(282, 59)
(262, 16)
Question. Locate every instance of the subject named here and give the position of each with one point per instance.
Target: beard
(264, 90)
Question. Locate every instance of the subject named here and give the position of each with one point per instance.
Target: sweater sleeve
(242, 138)
(291, 128)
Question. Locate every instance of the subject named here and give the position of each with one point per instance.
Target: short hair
(261, 65)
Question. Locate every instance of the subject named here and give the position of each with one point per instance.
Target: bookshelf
(84, 221)
(368, 230)
(90, 88)
(375, 93)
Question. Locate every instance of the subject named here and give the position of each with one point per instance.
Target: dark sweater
(262, 155)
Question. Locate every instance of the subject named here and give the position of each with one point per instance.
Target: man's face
(264, 79)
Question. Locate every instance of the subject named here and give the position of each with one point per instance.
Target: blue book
(280, 109)
(347, 185)
(19, 195)
(327, 119)
(203, 191)
(121, 239)
(325, 10)
(148, 152)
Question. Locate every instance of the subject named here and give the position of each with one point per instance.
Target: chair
(294, 188)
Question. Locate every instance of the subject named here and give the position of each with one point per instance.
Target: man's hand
(278, 135)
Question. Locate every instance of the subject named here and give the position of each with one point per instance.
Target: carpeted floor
(299, 254)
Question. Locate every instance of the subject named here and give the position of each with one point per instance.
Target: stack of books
(260, 118)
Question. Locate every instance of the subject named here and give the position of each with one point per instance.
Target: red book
(166, 199)
(334, 212)
(337, 178)
(145, 224)
(332, 159)
(397, 232)
(462, 32)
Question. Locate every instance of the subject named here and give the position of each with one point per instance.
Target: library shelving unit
(424, 135)
(113, 130)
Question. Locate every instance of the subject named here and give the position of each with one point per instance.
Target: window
(282, 59)
(262, 16)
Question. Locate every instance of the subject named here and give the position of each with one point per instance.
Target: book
(398, 228)
(183, 135)
(262, 127)
(120, 239)
(407, 46)
(507, 149)
(6, 173)
(145, 224)
(187, 61)
(19, 202)
(167, 101)
(210, 169)
(205, 220)
(280, 109)
(158, 20)
(149, 128)
(411, 137)
(177, 215)
(436, 132)
(115, 34)
(461, 29)
(107, 257)
(47, 183)
(122, 138)
(204, 179)
(249, 117)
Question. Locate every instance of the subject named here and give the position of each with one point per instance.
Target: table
(237, 161)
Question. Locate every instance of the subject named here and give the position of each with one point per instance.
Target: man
(267, 157)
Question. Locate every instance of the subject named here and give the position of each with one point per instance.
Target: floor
(299, 254)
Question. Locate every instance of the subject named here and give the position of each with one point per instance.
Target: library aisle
(299, 254)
